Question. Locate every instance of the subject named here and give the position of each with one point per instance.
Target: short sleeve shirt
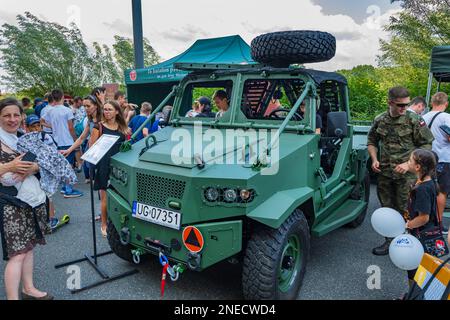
(44, 115)
(59, 118)
(441, 145)
(136, 123)
(423, 200)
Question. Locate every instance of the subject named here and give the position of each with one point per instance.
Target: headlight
(230, 195)
(120, 175)
(245, 194)
(124, 177)
(212, 194)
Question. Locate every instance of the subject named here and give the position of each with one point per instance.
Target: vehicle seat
(331, 140)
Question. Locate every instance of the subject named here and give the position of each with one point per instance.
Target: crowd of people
(202, 107)
(58, 130)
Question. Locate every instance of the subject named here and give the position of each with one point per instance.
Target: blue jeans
(71, 159)
(84, 147)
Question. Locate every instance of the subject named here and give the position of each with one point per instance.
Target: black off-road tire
(281, 49)
(263, 257)
(356, 196)
(117, 247)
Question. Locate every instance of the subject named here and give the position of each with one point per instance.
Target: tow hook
(125, 236)
(194, 261)
(137, 255)
(175, 271)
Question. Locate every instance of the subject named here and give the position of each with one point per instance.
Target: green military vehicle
(252, 186)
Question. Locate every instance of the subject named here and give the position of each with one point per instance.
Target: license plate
(162, 217)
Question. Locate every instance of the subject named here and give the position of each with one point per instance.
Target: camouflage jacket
(397, 138)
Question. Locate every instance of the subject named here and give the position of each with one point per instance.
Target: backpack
(79, 127)
(45, 134)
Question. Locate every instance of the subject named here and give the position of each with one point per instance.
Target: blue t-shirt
(39, 108)
(135, 123)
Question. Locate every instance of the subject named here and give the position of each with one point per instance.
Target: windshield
(206, 100)
(272, 99)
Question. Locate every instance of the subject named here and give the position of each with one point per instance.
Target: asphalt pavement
(337, 269)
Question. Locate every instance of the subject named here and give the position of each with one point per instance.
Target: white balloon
(406, 252)
(388, 222)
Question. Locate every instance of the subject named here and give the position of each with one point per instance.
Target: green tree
(421, 25)
(124, 53)
(105, 69)
(39, 55)
(367, 97)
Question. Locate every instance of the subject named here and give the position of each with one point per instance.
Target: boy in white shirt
(61, 120)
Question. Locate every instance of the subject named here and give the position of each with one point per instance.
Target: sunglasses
(400, 105)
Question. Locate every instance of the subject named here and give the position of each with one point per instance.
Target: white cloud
(363, 50)
(172, 26)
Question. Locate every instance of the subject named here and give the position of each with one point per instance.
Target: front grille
(156, 190)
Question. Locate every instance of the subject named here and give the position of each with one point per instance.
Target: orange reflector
(193, 239)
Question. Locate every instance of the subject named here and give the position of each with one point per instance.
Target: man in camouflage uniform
(396, 133)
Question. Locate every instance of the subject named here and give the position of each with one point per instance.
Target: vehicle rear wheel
(275, 260)
(281, 49)
(117, 247)
(361, 192)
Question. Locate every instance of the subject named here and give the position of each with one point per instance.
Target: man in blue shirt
(40, 104)
(137, 121)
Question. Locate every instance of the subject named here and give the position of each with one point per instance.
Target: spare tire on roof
(281, 49)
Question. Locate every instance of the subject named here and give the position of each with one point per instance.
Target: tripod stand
(93, 259)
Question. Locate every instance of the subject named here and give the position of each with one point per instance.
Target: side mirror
(337, 124)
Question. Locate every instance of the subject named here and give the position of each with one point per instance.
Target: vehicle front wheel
(275, 260)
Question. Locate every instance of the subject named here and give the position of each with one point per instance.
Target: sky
(174, 25)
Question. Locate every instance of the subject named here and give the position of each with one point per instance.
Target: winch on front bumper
(197, 246)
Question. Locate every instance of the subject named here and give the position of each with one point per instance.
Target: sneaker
(98, 218)
(63, 190)
(73, 194)
(382, 250)
(54, 223)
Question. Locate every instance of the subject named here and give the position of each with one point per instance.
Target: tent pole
(430, 83)
(138, 34)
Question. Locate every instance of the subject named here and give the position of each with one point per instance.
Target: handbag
(433, 240)
(418, 293)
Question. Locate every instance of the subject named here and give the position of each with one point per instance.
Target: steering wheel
(273, 114)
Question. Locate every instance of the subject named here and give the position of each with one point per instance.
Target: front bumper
(222, 240)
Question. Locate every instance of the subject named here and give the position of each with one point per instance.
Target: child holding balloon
(422, 207)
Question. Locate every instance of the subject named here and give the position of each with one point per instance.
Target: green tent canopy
(154, 83)
(440, 63)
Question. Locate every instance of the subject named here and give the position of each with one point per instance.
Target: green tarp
(154, 83)
(225, 50)
(440, 63)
